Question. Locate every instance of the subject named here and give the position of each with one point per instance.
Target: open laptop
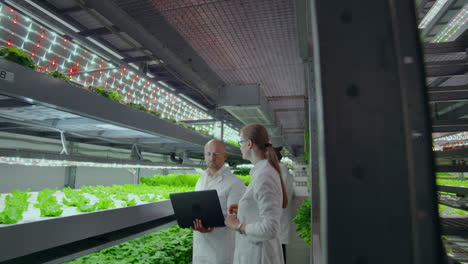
(203, 205)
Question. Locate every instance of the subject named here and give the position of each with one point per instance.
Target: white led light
(456, 26)
(432, 13)
(97, 43)
(193, 102)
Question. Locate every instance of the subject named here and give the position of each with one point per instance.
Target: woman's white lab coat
(260, 209)
(216, 247)
(286, 217)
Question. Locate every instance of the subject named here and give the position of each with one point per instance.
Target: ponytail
(259, 135)
(273, 160)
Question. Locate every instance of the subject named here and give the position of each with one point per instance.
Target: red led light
(9, 43)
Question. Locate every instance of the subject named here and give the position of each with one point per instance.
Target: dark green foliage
(242, 171)
(59, 75)
(113, 95)
(172, 245)
(138, 106)
(232, 142)
(171, 180)
(18, 56)
(303, 221)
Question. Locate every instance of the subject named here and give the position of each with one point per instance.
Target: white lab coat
(217, 246)
(260, 209)
(286, 217)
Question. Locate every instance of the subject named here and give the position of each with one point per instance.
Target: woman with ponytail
(256, 218)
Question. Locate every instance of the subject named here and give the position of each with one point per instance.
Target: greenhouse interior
(106, 107)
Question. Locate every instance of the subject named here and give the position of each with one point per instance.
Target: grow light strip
(70, 57)
(435, 9)
(68, 163)
(457, 25)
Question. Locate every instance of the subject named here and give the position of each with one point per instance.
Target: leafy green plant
(18, 56)
(74, 198)
(171, 245)
(155, 113)
(303, 222)
(171, 180)
(15, 204)
(232, 142)
(138, 106)
(113, 95)
(105, 203)
(131, 202)
(86, 207)
(245, 179)
(47, 203)
(241, 171)
(59, 75)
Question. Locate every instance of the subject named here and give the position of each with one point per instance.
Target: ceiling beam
(448, 93)
(111, 11)
(138, 59)
(290, 109)
(290, 97)
(445, 47)
(68, 10)
(450, 125)
(98, 31)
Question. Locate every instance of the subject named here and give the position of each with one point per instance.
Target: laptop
(203, 205)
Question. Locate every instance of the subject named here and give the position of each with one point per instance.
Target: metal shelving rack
(35, 104)
(64, 238)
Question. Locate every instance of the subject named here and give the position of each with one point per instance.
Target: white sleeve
(267, 193)
(198, 185)
(235, 193)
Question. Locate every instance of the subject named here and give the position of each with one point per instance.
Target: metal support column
(70, 177)
(378, 196)
(316, 251)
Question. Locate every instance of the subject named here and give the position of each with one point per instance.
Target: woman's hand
(233, 208)
(231, 221)
(198, 226)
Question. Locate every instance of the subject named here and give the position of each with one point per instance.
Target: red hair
(259, 136)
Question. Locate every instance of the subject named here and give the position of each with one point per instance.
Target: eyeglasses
(242, 141)
(214, 154)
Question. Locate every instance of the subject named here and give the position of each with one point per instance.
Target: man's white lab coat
(260, 209)
(217, 246)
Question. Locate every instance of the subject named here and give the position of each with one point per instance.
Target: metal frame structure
(65, 238)
(374, 141)
(34, 88)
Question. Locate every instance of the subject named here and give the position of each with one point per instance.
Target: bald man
(216, 245)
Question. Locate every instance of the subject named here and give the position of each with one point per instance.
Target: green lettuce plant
(59, 75)
(15, 205)
(47, 203)
(171, 245)
(113, 95)
(18, 56)
(303, 221)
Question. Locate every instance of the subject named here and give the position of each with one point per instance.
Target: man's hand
(198, 226)
(233, 209)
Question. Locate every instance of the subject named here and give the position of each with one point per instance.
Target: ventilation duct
(249, 105)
